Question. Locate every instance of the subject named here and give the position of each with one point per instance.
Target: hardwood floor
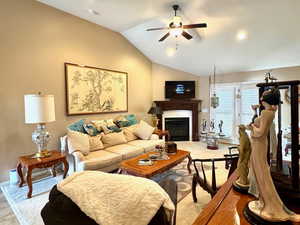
(7, 217)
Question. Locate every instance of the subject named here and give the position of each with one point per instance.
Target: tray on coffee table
(131, 166)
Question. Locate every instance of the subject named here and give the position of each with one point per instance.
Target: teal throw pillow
(114, 128)
(77, 126)
(91, 129)
(132, 119)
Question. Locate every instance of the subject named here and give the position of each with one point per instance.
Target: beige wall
(35, 42)
(283, 74)
(161, 73)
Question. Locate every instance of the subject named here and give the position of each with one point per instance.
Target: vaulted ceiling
(242, 35)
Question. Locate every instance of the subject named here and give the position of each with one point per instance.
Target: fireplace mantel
(193, 105)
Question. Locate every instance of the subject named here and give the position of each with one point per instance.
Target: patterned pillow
(77, 126)
(132, 119)
(98, 124)
(121, 121)
(96, 143)
(90, 128)
(112, 126)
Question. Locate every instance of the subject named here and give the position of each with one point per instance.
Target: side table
(162, 133)
(32, 163)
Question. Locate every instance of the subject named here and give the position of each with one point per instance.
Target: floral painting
(93, 90)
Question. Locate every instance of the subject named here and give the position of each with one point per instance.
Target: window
(235, 106)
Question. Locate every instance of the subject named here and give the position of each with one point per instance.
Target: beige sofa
(109, 158)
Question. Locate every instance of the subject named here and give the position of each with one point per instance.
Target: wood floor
(7, 217)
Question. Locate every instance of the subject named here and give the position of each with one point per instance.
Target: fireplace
(179, 128)
(194, 106)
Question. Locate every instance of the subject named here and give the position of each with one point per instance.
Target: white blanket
(113, 199)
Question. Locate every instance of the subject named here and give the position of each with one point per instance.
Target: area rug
(28, 211)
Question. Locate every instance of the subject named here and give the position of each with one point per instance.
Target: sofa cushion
(126, 151)
(99, 159)
(96, 142)
(113, 139)
(129, 133)
(147, 145)
(143, 130)
(78, 142)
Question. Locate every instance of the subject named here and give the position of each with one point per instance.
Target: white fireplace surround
(180, 114)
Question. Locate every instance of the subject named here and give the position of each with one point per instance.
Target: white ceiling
(273, 28)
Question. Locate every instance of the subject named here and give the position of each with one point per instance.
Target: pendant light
(214, 100)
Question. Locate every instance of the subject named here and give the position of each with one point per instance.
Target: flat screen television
(179, 89)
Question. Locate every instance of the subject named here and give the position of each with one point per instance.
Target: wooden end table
(131, 166)
(162, 133)
(32, 163)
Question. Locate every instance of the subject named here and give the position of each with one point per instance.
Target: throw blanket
(113, 199)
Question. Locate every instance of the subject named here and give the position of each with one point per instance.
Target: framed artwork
(91, 90)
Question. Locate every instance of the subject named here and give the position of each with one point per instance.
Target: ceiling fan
(176, 27)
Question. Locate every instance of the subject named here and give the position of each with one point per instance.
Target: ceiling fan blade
(186, 35)
(160, 28)
(191, 26)
(165, 36)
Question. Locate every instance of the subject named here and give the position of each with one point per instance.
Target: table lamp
(40, 109)
(155, 110)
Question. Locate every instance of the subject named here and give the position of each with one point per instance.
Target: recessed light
(241, 35)
(94, 12)
(170, 51)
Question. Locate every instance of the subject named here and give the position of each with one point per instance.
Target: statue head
(271, 97)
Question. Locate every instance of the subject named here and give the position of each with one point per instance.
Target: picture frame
(92, 90)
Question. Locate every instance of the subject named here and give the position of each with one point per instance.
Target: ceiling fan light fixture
(175, 32)
(177, 22)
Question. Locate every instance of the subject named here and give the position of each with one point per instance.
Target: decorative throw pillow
(112, 126)
(129, 133)
(78, 142)
(98, 124)
(90, 128)
(143, 130)
(121, 121)
(96, 143)
(113, 139)
(77, 126)
(106, 130)
(132, 119)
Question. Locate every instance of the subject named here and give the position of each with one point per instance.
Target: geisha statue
(269, 206)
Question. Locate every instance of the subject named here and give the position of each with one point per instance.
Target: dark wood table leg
(66, 167)
(189, 164)
(20, 173)
(53, 171)
(29, 182)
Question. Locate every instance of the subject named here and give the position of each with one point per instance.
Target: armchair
(210, 183)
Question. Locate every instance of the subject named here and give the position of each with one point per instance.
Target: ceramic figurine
(220, 125)
(242, 183)
(269, 206)
(212, 126)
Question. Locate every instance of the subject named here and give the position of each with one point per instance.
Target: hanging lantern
(214, 100)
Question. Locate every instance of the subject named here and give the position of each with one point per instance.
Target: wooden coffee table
(131, 166)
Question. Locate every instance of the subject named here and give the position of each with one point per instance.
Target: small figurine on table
(220, 125)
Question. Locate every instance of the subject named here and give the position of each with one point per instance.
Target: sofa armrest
(78, 157)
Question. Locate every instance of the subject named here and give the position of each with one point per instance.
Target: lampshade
(39, 108)
(154, 110)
